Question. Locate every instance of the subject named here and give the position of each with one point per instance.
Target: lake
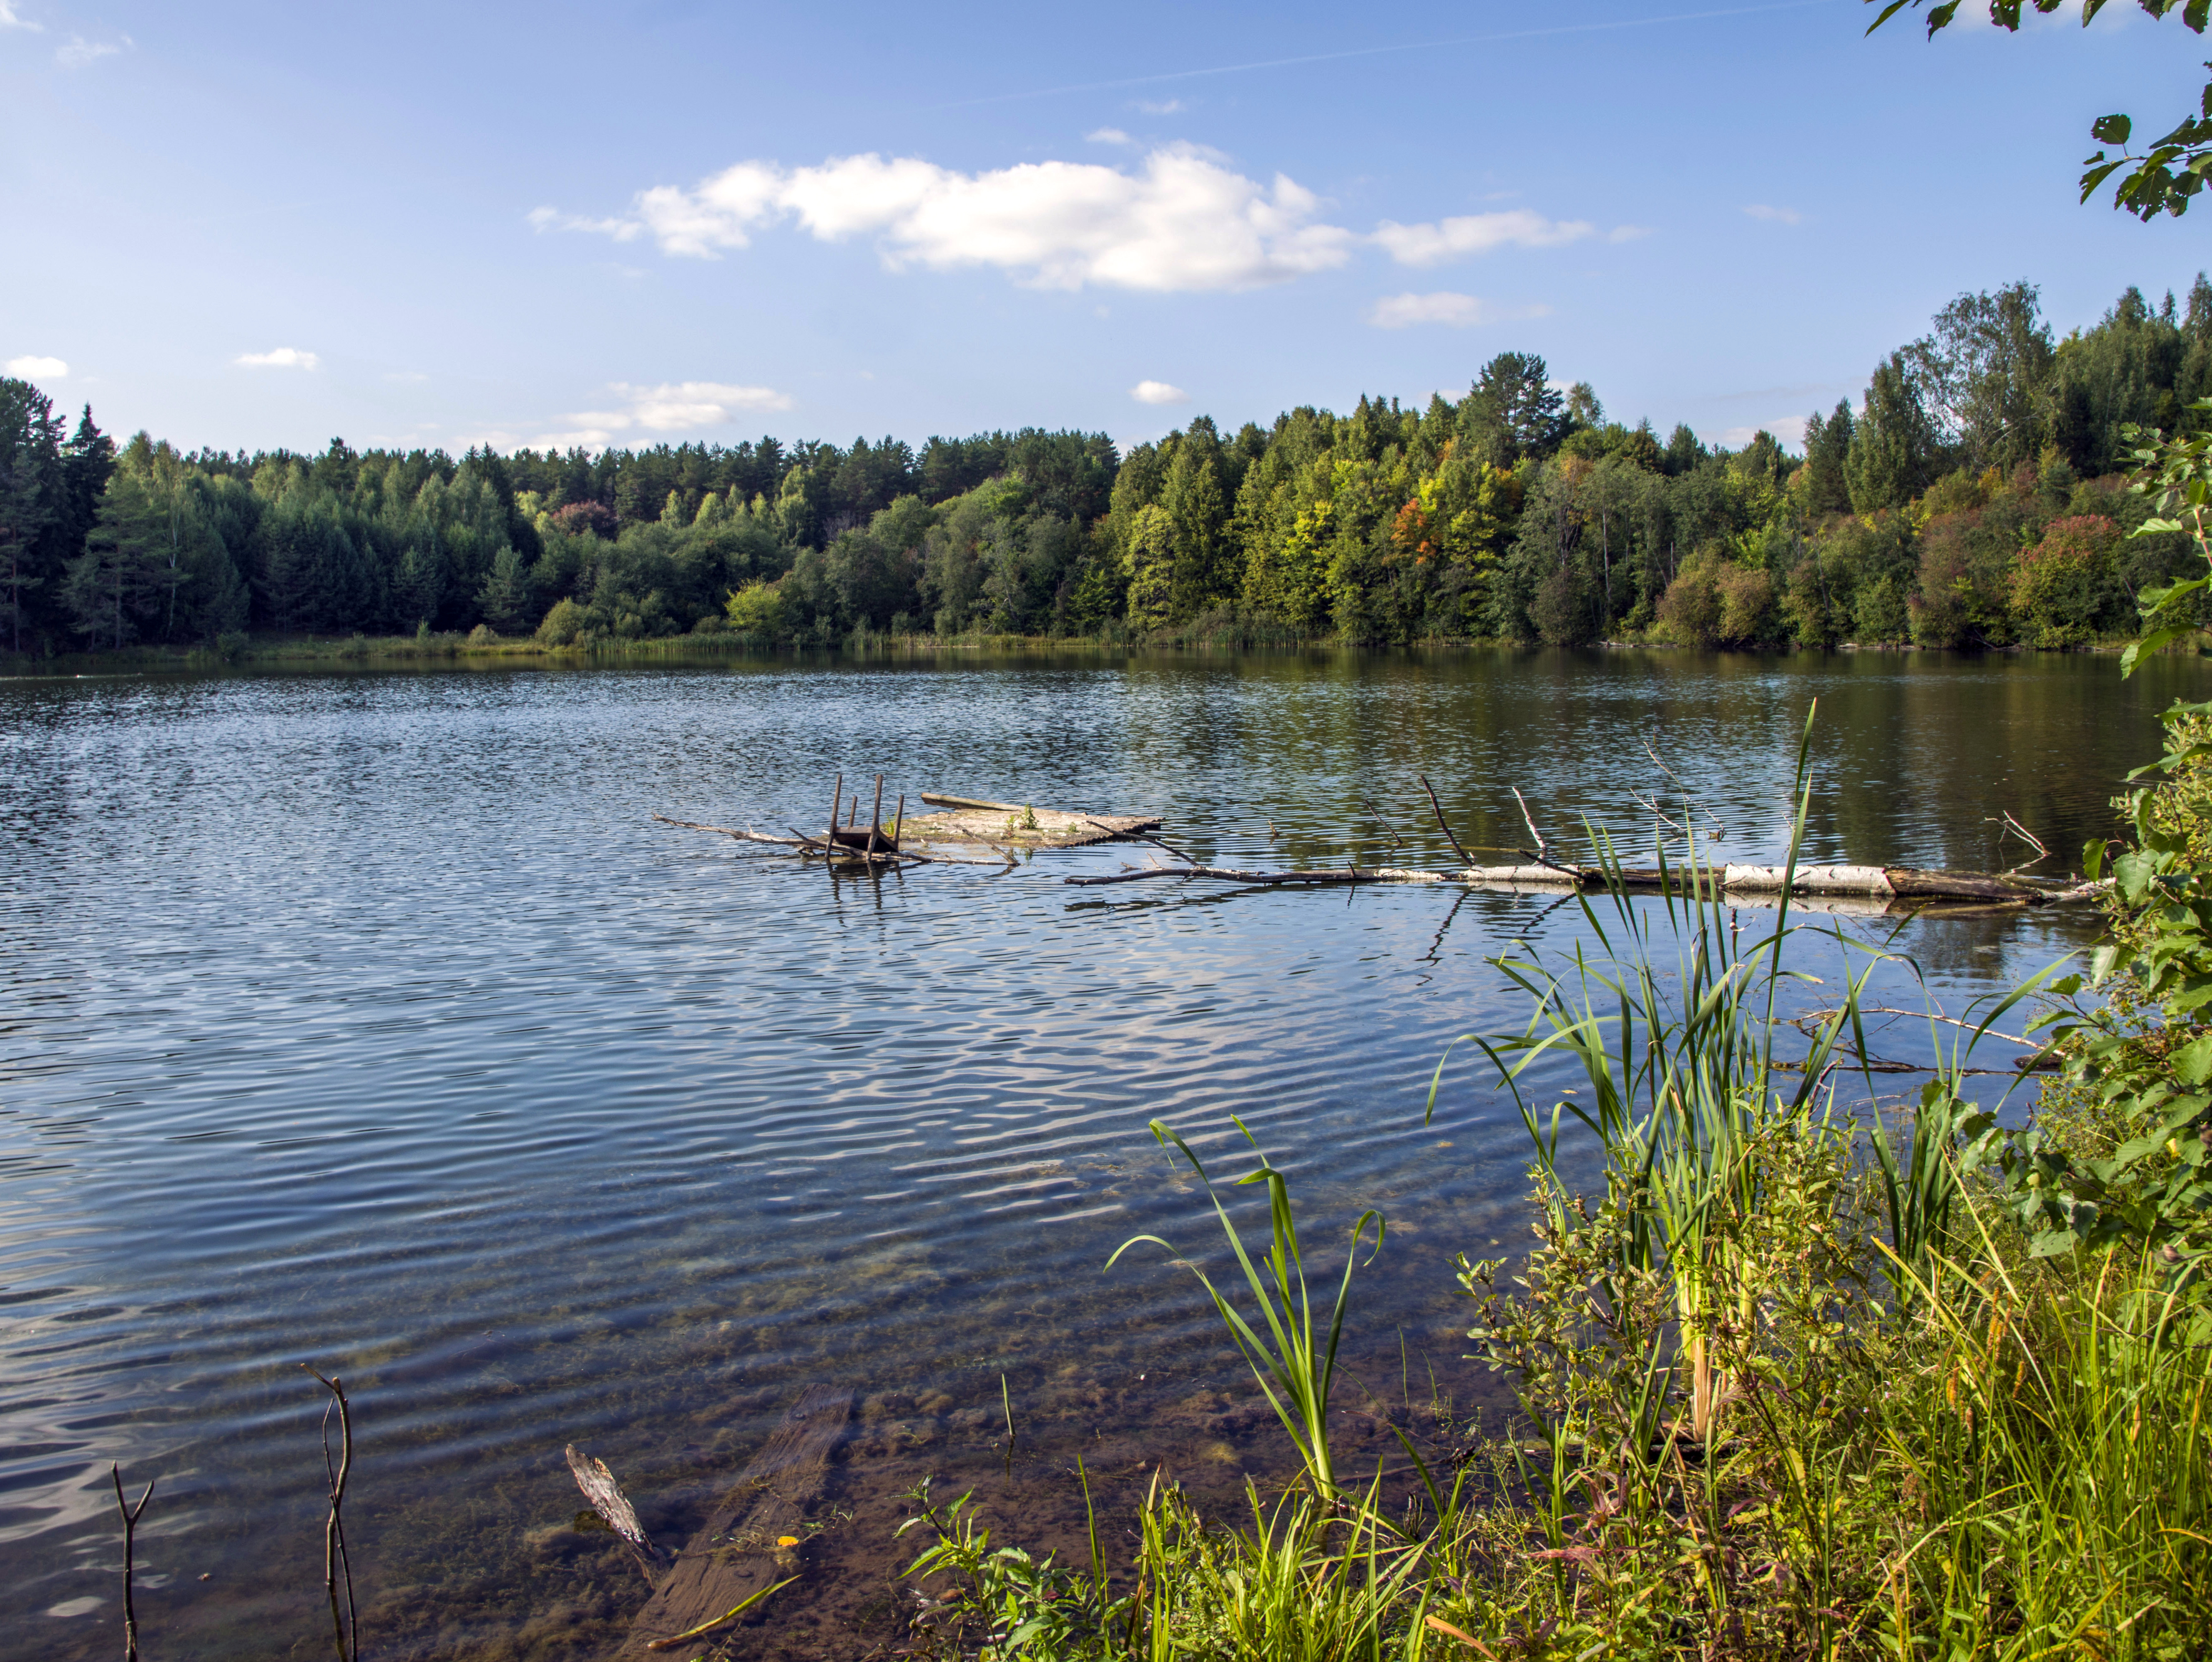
(369, 1020)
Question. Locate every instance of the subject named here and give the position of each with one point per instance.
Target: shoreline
(456, 650)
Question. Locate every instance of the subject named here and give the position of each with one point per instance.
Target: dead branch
(1920, 1015)
(1465, 858)
(131, 1516)
(1541, 856)
(337, 1565)
(1396, 841)
(1331, 874)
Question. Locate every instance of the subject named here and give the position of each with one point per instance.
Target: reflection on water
(369, 1020)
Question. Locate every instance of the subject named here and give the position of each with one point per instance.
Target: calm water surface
(370, 1020)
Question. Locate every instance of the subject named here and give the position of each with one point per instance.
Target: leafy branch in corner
(2162, 179)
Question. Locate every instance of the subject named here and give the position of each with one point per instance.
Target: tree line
(1971, 497)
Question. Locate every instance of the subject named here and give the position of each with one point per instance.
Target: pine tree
(1827, 448)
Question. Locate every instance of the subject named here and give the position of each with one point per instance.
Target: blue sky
(257, 225)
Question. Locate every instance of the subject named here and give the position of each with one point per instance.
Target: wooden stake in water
(836, 796)
(875, 818)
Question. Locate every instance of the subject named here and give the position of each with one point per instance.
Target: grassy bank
(1791, 1381)
(482, 649)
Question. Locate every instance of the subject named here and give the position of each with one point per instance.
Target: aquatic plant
(1295, 1369)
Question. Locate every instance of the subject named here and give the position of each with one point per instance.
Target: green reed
(1295, 1368)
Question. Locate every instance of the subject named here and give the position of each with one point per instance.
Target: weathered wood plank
(735, 1554)
(1019, 825)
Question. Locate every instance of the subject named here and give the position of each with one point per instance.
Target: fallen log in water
(1742, 884)
(1337, 874)
(1873, 882)
(747, 1544)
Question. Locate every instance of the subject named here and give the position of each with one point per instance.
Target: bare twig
(2005, 823)
(1396, 841)
(1542, 857)
(337, 1565)
(131, 1516)
(1138, 837)
(1689, 803)
(1465, 858)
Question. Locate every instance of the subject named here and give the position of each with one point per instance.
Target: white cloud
(76, 52)
(283, 357)
(1460, 311)
(1158, 392)
(1170, 106)
(10, 20)
(1477, 234)
(1110, 135)
(552, 219)
(1779, 215)
(1791, 429)
(671, 407)
(675, 406)
(1184, 222)
(34, 368)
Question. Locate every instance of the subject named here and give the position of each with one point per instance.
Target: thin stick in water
(337, 1565)
(1465, 858)
(131, 1516)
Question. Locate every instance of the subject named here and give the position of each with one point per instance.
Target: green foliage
(1516, 511)
(2161, 179)
(2058, 583)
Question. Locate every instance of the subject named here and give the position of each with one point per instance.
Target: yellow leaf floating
(786, 1540)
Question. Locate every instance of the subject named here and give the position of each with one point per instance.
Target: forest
(1973, 496)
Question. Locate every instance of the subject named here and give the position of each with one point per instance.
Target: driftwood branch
(1465, 858)
(1139, 837)
(1396, 841)
(1927, 1015)
(131, 1516)
(615, 1510)
(1328, 875)
(1542, 856)
(338, 1564)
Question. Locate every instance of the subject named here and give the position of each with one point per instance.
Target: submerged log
(746, 1545)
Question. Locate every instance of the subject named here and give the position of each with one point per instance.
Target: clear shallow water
(370, 1020)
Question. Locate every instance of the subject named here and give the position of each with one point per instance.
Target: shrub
(1713, 602)
(1690, 610)
(562, 624)
(2057, 585)
(1748, 616)
(756, 609)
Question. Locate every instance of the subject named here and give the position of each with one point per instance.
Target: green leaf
(2111, 129)
(2052, 1243)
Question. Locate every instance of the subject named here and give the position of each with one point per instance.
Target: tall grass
(1790, 1384)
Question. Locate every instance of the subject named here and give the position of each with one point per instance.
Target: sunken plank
(735, 1554)
(1007, 825)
